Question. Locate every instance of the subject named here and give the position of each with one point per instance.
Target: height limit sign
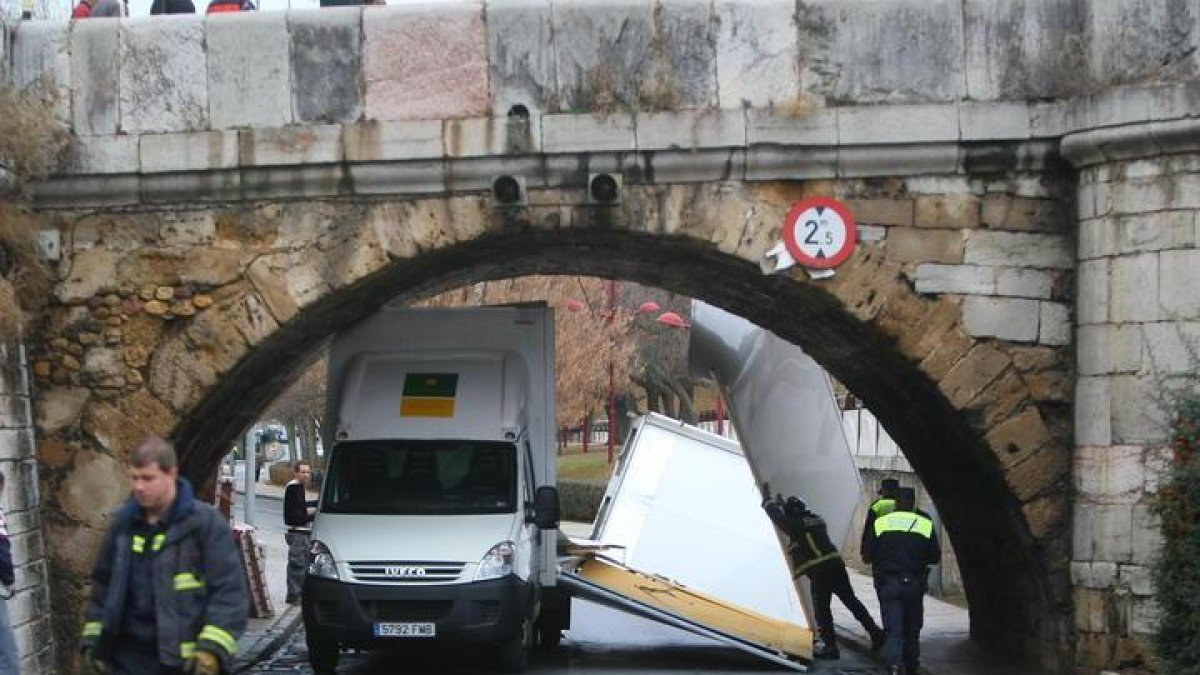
(819, 233)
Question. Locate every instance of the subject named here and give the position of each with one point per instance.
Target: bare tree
(301, 408)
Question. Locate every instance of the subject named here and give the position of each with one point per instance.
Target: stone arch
(980, 420)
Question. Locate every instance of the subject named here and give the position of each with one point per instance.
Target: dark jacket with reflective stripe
(902, 542)
(879, 507)
(199, 587)
(809, 535)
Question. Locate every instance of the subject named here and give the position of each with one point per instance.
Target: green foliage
(580, 500)
(1177, 573)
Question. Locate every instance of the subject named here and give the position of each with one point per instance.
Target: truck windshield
(421, 477)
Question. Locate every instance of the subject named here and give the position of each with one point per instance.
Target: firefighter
(884, 504)
(901, 547)
(814, 555)
(168, 595)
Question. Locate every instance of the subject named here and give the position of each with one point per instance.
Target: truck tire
(549, 635)
(514, 655)
(322, 654)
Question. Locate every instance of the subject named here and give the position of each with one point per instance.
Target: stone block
(1018, 249)
(588, 133)
(817, 126)
(420, 177)
(478, 173)
(690, 130)
(1107, 348)
(1179, 284)
(1025, 283)
(16, 444)
(897, 160)
(95, 79)
(188, 151)
(994, 121)
(1144, 617)
(381, 141)
(757, 54)
(1081, 574)
(1172, 348)
(249, 70)
(773, 163)
(1090, 611)
(521, 58)
(1112, 535)
(488, 137)
(1006, 212)
(1054, 325)
(80, 191)
(882, 211)
(1097, 238)
(1137, 416)
(426, 62)
(841, 43)
(865, 125)
(950, 212)
(1092, 291)
(167, 188)
(604, 54)
(41, 62)
(905, 244)
(271, 182)
(1133, 288)
(1049, 120)
(326, 65)
(1111, 474)
(972, 374)
(1147, 535)
(1093, 411)
(91, 271)
(683, 73)
(969, 279)
(164, 75)
(1139, 579)
(60, 407)
(294, 145)
(1156, 231)
(1004, 318)
(692, 166)
(103, 155)
(95, 486)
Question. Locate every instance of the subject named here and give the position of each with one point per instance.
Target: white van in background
(438, 514)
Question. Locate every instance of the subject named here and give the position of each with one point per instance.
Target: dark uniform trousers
(901, 602)
(828, 579)
(131, 657)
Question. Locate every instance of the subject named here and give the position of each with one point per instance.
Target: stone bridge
(1026, 174)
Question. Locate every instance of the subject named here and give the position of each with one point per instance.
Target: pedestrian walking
(168, 592)
(298, 514)
(901, 548)
(814, 555)
(884, 504)
(10, 660)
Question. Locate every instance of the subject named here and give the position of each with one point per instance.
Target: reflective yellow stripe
(187, 649)
(882, 507)
(903, 521)
(92, 628)
(139, 543)
(186, 581)
(159, 540)
(221, 637)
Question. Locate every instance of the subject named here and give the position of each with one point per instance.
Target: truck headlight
(498, 562)
(320, 561)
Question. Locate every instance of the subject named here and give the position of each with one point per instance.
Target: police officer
(168, 595)
(900, 547)
(884, 504)
(814, 555)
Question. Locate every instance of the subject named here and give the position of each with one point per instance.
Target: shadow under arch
(1017, 604)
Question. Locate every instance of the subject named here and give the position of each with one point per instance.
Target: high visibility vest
(904, 521)
(883, 506)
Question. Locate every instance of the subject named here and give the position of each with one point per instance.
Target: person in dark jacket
(814, 555)
(901, 548)
(883, 505)
(172, 7)
(298, 514)
(10, 660)
(168, 591)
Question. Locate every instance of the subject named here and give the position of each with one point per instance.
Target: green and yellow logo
(429, 395)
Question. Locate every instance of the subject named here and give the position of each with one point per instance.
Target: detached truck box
(438, 513)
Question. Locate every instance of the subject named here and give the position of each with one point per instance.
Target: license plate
(405, 630)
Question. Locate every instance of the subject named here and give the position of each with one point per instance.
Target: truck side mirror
(545, 508)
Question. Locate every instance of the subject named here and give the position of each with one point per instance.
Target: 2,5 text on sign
(819, 233)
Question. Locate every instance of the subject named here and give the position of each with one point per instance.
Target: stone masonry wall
(1139, 325)
(29, 608)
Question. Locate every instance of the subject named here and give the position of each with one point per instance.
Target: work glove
(93, 663)
(204, 663)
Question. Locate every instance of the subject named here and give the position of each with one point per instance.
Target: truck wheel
(549, 636)
(322, 654)
(514, 655)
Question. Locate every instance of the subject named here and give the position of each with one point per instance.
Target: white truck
(438, 515)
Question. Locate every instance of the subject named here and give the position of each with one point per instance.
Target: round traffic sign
(819, 232)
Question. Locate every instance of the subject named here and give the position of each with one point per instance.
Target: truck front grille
(412, 610)
(406, 572)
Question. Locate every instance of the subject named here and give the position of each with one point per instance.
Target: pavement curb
(281, 628)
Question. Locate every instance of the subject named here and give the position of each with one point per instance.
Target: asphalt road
(601, 640)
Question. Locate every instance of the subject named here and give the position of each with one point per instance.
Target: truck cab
(437, 514)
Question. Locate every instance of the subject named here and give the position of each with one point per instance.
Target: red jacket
(82, 11)
(218, 6)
